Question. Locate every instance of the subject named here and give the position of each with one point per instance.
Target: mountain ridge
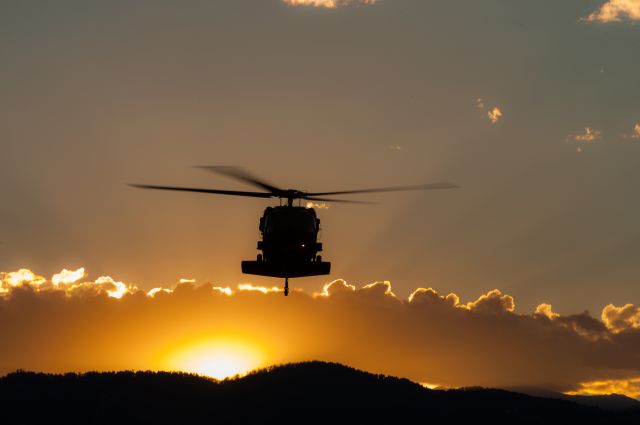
(309, 392)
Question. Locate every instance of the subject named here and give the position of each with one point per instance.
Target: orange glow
(628, 387)
(219, 332)
(430, 386)
(218, 358)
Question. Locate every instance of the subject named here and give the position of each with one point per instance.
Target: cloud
(336, 287)
(329, 4)
(618, 319)
(20, 277)
(65, 282)
(494, 114)
(430, 296)
(628, 387)
(493, 302)
(546, 310)
(187, 280)
(318, 205)
(80, 324)
(588, 136)
(66, 277)
(615, 11)
(253, 288)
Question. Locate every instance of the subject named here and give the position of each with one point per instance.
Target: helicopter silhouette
(289, 233)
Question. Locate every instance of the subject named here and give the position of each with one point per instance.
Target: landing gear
(286, 286)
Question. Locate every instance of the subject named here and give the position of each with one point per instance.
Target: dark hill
(311, 392)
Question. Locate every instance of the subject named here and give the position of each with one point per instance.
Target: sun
(218, 359)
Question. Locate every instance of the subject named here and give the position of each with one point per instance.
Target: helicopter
(289, 246)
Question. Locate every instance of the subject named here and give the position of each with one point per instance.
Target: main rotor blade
(211, 191)
(344, 201)
(242, 175)
(390, 189)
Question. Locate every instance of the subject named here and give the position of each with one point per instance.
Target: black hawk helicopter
(289, 233)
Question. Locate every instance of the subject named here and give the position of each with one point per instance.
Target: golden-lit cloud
(66, 277)
(329, 4)
(66, 282)
(546, 310)
(318, 205)
(628, 387)
(186, 280)
(494, 115)
(615, 11)
(618, 319)
(589, 135)
(152, 293)
(249, 287)
(106, 324)
(336, 287)
(113, 288)
(422, 295)
(21, 277)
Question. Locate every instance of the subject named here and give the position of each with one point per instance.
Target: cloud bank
(68, 323)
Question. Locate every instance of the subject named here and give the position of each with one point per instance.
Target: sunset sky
(527, 275)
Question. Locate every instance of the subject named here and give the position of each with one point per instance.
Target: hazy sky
(98, 94)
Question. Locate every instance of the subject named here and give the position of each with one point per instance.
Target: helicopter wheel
(286, 286)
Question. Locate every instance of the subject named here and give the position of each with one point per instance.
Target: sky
(532, 108)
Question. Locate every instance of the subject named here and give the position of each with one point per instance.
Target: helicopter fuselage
(289, 244)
